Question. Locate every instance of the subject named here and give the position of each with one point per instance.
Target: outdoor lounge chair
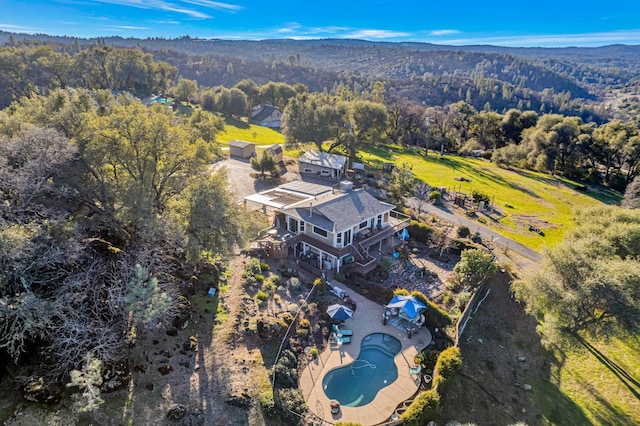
(334, 339)
(342, 331)
(415, 370)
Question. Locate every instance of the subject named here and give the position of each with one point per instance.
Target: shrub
(386, 264)
(290, 401)
(259, 277)
(479, 196)
(434, 316)
(422, 409)
(304, 323)
(262, 296)
(340, 277)
(268, 286)
(252, 267)
(293, 283)
(314, 352)
(462, 299)
(435, 196)
(463, 231)
(302, 332)
(420, 231)
(448, 363)
(264, 267)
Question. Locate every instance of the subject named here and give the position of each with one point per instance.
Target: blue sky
(546, 23)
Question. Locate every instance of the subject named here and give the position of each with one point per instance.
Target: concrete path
(366, 320)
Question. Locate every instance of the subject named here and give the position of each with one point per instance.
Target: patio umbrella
(408, 304)
(339, 312)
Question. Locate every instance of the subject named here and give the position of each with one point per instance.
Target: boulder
(165, 369)
(183, 317)
(191, 344)
(177, 412)
(39, 391)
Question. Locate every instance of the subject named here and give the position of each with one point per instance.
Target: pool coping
(366, 320)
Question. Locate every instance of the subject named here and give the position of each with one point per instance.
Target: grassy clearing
(241, 130)
(525, 197)
(601, 385)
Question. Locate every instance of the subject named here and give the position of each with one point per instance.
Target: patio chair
(342, 331)
(415, 370)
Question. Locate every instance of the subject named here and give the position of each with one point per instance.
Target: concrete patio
(366, 320)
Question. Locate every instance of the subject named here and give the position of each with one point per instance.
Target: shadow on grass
(625, 378)
(236, 123)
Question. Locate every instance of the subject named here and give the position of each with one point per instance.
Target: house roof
(323, 159)
(266, 112)
(275, 149)
(340, 211)
(240, 144)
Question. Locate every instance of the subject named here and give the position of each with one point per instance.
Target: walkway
(366, 320)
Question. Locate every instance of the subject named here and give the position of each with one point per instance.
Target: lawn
(523, 197)
(600, 384)
(241, 130)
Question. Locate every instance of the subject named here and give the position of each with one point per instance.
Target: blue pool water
(358, 383)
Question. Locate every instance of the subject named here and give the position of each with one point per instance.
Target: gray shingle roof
(344, 211)
(239, 143)
(323, 159)
(267, 110)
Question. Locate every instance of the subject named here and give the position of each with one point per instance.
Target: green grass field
(599, 385)
(524, 197)
(241, 130)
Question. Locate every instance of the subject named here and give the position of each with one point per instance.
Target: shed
(276, 152)
(322, 164)
(242, 149)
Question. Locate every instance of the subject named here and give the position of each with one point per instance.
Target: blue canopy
(408, 304)
(404, 235)
(339, 312)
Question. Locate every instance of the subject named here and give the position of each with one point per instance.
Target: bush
(463, 231)
(264, 267)
(435, 196)
(434, 315)
(420, 231)
(290, 401)
(462, 299)
(479, 196)
(422, 409)
(259, 277)
(448, 363)
(305, 323)
(268, 286)
(386, 264)
(262, 296)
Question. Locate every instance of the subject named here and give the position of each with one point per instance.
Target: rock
(191, 344)
(115, 376)
(177, 412)
(39, 391)
(183, 317)
(165, 369)
(172, 332)
(527, 387)
(238, 401)
(521, 358)
(149, 386)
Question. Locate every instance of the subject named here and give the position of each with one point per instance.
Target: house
(241, 149)
(276, 152)
(330, 230)
(318, 163)
(266, 116)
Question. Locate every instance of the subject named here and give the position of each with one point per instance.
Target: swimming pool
(358, 383)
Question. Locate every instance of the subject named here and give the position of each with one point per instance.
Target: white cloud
(372, 33)
(443, 32)
(158, 5)
(553, 40)
(17, 28)
(129, 27)
(215, 5)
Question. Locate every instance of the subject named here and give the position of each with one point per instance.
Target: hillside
(575, 81)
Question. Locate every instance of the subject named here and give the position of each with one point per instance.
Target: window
(363, 225)
(301, 226)
(339, 238)
(319, 231)
(325, 172)
(308, 170)
(379, 220)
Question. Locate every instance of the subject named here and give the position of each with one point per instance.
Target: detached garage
(276, 152)
(242, 149)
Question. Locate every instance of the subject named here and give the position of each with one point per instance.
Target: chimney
(310, 209)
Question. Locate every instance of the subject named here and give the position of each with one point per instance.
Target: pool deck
(366, 320)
